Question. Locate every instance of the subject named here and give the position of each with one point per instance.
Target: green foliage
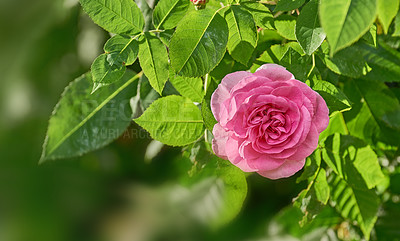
(199, 43)
(261, 14)
(285, 26)
(167, 13)
(121, 49)
(191, 88)
(375, 106)
(242, 34)
(384, 61)
(309, 32)
(348, 62)
(213, 178)
(153, 59)
(110, 15)
(173, 120)
(287, 5)
(208, 117)
(83, 122)
(387, 10)
(298, 65)
(334, 97)
(355, 172)
(312, 199)
(348, 22)
(346, 50)
(105, 71)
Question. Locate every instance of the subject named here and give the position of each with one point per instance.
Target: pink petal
(274, 72)
(287, 169)
(222, 92)
(308, 146)
(219, 141)
(232, 151)
(293, 93)
(321, 117)
(265, 163)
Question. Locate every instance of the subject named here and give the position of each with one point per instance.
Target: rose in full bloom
(268, 122)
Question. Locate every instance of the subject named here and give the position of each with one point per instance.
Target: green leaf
(168, 13)
(355, 202)
(346, 21)
(275, 53)
(217, 190)
(172, 120)
(153, 58)
(199, 43)
(110, 15)
(287, 222)
(311, 168)
(298, 65)
(343, 153)
(242, 34)
(336, 125)
(370, 36)
(285, 26)
(372, 102)
(334, 97)
(191, 88)
(208, 117)
(356, 170)
(121, 49)
(82, 122)
(288, 5)
(384, 61)
(387, 10)
(387, 227)
(147, 94)
(261, 14)
(348, 62)
(104, 72)
(166, 36)
(396, 32)
(309, 32)
(314, 197)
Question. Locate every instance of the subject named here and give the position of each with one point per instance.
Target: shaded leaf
(288, 5)
(82, 122)
(298, 65)
(372, 102)
(334, 97)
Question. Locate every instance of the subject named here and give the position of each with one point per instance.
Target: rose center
(269, 120)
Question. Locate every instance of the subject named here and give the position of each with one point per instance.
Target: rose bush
(268, 122)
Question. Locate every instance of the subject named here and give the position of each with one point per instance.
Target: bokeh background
(116, 193)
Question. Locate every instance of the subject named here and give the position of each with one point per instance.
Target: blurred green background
(112, 194)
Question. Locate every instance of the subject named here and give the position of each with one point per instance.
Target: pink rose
(268, 122)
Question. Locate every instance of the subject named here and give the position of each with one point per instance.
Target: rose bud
(199, 4)
(268, 122)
